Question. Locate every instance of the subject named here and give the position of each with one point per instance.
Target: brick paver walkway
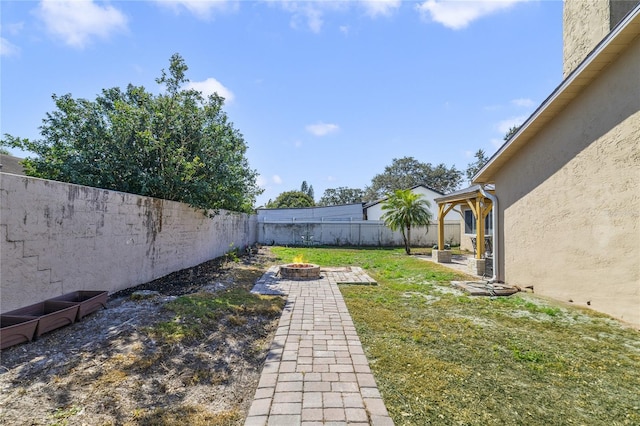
(316, 372)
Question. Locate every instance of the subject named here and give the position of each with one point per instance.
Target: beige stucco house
(568, 182)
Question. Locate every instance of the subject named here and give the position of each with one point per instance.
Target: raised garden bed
(51, 314)
(89, 301)
(24, 324)
(16, 329)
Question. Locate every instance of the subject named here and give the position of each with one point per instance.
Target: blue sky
(323, 91)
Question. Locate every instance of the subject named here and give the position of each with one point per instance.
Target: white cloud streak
(209, 87)
(311, 14)
(308, 14)
(504, 125)
(457, 15)
(523, 102)
(376, 8)
(7, 48)
(77, 22)
(322, 129)
(202, 9)
(276, 179)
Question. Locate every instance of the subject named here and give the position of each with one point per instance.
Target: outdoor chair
(488, 267)
(488, 246)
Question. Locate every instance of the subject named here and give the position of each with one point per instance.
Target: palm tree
(404, 209)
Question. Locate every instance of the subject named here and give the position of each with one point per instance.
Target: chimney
(585, 23)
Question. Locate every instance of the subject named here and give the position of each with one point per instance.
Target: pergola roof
(470, 192)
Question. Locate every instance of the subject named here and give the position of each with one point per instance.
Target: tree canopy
(473, 168)
(512, 131)
(307, 189)
(291, 199)
(403, 210)
(407, 172)
(341, 195)
(177, 145)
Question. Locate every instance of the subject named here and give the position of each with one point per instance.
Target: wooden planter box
(89, 301)
(16, 329)
(51, 314)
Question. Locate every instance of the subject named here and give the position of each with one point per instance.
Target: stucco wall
(569, 202)
(586, 23)
(57, 238)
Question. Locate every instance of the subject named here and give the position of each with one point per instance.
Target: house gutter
(494, 217)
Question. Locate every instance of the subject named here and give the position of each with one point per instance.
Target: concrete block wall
(57, 238)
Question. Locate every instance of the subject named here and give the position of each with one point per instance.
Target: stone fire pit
(300, 271)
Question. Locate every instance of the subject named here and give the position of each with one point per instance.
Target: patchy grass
(186, 415)
(61, 416)
(138, 362)
(196, 313)
(441, 357)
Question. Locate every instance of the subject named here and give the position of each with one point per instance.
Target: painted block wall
(57, 238)
(356, 233)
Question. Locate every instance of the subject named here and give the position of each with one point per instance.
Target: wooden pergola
(480, 206)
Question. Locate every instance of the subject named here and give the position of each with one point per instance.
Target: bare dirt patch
(114, 368)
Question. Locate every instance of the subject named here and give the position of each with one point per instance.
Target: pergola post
(440, 254)
(441, 226)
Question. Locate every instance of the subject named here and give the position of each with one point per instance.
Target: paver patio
(316, 371)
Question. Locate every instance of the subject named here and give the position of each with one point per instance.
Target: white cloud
(260, 181)
(456, 14)
(307, 14)
(7, 48)
(523, 102)
(322, 129)
(332, 178)
(310, 14)
(276, 179)
(203, 9)
(14, 28)
(376, 8)
(77, 22)
(504, 125)
(209, 87)
(344, 29)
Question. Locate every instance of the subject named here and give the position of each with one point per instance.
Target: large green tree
(404, 210)
(177, 145)
(407, 172)
(341, 195)
(291, 199)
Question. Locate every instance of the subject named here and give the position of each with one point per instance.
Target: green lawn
(441, 357)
